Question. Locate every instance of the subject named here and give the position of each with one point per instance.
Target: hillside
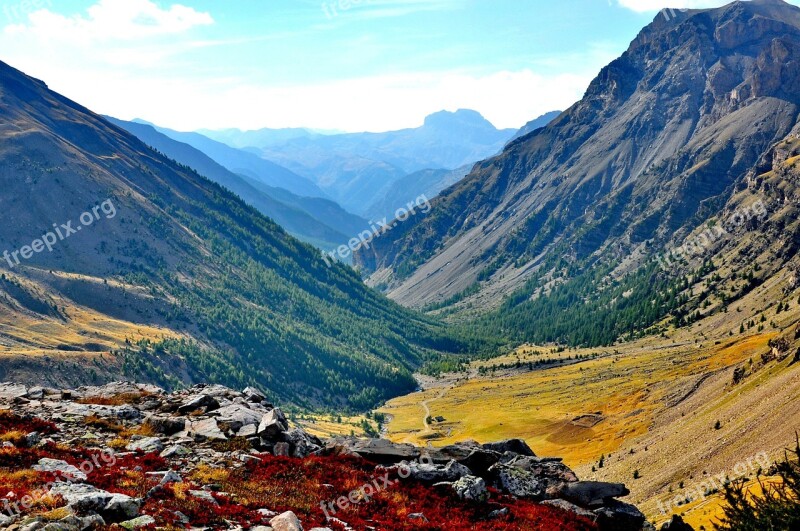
(242, 162)
(301, 217)
(568, 221)
(157, 273)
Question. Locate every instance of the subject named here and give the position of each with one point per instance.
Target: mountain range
(357, 169)
(556, 238)
(158, 274)
(315, 220)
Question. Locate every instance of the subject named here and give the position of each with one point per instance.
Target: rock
(286, 522)
(247, 431)
(236, 416)
(619, 516)
(175, 450)
(145, 445)
(198, 402)
(471, 488)
(592, 493)
(32, 439)
(60, 468)
(676, 523)
(571, 507)
(165, 425)
(516, 446)
(517, 482)
(10, 391)
(281, 449)
(121, 507)
(35, 393)
(251, 394)
(499, 513)
(418, 517)
(86, 499)
(204, 495)
(379, 451)
(207, 429)
(428, 472)
(124, 412)
(273, 424)
(136, 523)
(302, 444)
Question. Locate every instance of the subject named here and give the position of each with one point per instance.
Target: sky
(345, 65)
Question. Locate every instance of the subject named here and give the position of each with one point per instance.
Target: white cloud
(110, 20)
(130, 59)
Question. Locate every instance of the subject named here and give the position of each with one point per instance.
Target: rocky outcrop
(212, 427)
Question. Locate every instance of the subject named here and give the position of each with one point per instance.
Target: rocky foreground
(132, 456)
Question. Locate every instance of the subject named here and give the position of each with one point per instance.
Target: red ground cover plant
(309, 487)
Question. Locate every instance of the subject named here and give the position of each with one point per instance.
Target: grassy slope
(659, 397)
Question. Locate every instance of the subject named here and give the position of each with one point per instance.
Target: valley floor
(662, 414)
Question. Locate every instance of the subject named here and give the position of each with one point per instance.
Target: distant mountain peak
(459, 118)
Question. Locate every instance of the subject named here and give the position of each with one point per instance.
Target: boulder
(61, 469)
(302, 444)
(592, 493)
(203, 430)
(287, 521)
(235, 416)
(199, 402)
(378, 451)
(83, 499)
(434, 473)
(517, 482)
(272, 425)
(471, 488)
(251, 394)
(571, 507)
(619, 516)
(145, 445)
(515, 446)
(165, 425)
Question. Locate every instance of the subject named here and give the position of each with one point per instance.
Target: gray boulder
(287, 521)
(430, 472)
(471, 488)
(592, 493)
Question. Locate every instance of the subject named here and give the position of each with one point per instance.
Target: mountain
(536, 123)
(301, 217)
(119, 261)
(427, 183)
(357, 169)
(258, 138)
(245, 163)
(557, 238)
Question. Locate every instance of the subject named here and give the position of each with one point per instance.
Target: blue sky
(330, 64)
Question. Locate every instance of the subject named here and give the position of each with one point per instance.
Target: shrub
(776, 507)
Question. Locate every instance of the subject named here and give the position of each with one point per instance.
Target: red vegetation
(309, 487)
(10, 422)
